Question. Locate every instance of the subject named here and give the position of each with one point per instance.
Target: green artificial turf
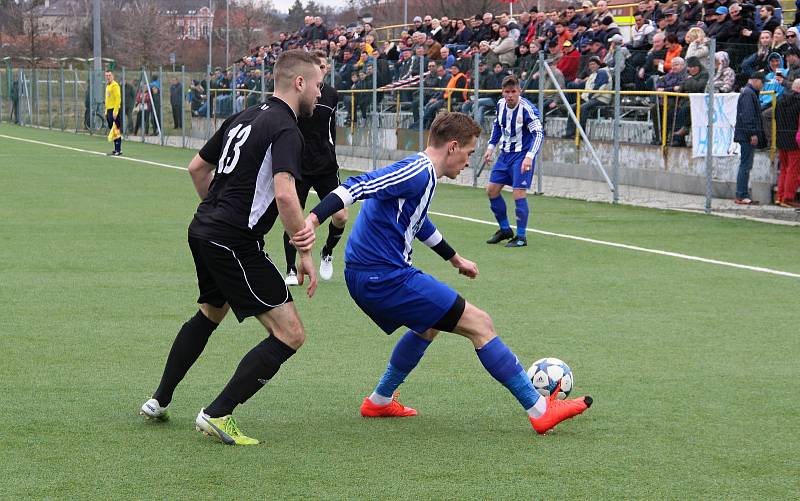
(693, 366)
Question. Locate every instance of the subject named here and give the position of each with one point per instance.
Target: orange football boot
(559, 410)
(392, 409)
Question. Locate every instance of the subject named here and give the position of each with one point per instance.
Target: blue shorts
(396, 297)
(508, 171)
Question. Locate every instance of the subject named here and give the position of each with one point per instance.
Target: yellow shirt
(113, 99)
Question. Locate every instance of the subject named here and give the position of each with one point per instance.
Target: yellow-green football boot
(223, 429)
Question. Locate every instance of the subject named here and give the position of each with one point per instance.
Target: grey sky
(283, 5)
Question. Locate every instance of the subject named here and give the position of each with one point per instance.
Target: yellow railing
(663, 124)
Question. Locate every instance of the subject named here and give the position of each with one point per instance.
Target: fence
(378, 124)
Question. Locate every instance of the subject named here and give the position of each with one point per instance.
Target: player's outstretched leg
(255, 370)
(498, 206)
(503, 365)
(405, 356)
(521, 211)
(187, 347)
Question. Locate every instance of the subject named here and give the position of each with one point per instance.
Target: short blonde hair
(695, 34)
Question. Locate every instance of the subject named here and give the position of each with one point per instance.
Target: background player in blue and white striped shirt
(393, 293)
(518, 129)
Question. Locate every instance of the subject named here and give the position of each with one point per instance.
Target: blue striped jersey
(517, 129)
(394, 212)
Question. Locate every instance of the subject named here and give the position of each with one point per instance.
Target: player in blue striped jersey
(519, 131)
(385, 285)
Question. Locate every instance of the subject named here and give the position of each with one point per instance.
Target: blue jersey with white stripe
(518, 129)
(396, 200)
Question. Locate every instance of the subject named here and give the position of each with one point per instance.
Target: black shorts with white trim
(240, 274)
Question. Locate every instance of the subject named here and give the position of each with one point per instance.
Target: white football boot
(153, 410)
(326, 267)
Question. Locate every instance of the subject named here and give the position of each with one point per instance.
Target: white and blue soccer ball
(546, 373)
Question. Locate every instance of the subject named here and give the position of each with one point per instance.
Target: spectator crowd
(667, 48)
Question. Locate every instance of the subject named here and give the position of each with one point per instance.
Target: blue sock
(498, 206)
(522, 216)
(405, 356)
(503, 365)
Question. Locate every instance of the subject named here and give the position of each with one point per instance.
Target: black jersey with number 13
(248, 150)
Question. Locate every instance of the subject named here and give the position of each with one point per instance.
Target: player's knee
(428, 335)
(291, 333)
(213, 313)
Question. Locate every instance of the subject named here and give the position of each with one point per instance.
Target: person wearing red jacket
(570, 62)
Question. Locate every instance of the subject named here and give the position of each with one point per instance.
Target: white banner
(724, 123)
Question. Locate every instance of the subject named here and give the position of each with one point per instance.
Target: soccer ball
(545, 374)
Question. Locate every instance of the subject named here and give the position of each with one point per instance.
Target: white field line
(636, 248)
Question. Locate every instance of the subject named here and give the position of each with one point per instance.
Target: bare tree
(250, 21)
(145, 37)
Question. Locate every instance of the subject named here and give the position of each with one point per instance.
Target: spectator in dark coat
(175, 102)
(787, 114)
(749, 133)
(696, 82)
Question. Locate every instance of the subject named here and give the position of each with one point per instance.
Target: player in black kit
(245, 175)
(320, 171)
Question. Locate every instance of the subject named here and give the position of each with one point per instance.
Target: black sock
(334, 235)
(290, 252)
(187, 347)
(256, 368)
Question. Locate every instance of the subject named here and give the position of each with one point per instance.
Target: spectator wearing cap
(456, 92)
(691, 13)
(695, 83)
(587, 10)
(591, 100)
(749, 133)
(674, 26)
(416, 25)
(787, 114)
(570, 62)
(504, 47)
(768, 20)
(715, 20)
(436, 77)
(581, 37)
(617, 44)
(486, 54)
(724, 76)
(738, 36)
(697, 44)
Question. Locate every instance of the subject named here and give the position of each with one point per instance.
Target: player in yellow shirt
(113, 103)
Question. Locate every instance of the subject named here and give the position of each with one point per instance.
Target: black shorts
(240, 274)
(322, 184)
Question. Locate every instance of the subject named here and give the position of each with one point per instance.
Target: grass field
(693, 366)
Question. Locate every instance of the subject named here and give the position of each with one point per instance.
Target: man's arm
(291, 214)
(202, 174)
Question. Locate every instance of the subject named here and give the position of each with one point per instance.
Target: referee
(245, 175)
(320, 171)
(113, 103)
